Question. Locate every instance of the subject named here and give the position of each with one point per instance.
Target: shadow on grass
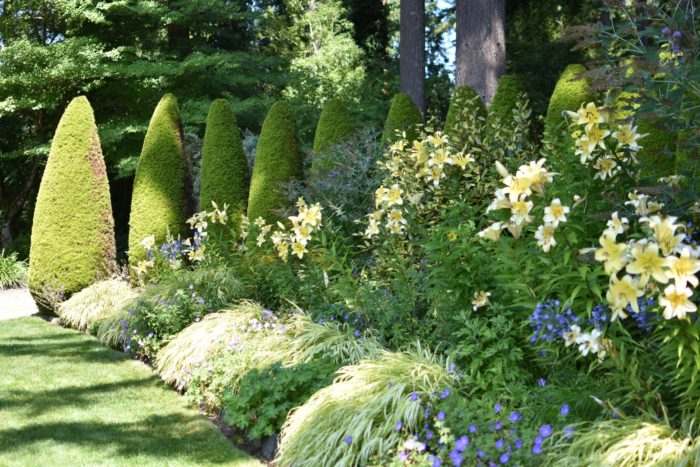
(168, 436)
(35, 403)
(80, 348)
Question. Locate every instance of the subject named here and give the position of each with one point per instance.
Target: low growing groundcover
(67, 400)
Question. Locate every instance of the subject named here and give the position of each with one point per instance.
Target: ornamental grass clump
(73, 229)
(87, 308)
(262, 340)
(115, 326)
(333, 340)
(627, 442)
(13, 272)
(356, 418)
(200, 340)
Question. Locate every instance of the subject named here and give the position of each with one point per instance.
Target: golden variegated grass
(330, 340)
(200, 341)
(630, 442)
(362, 406)
(95, 303)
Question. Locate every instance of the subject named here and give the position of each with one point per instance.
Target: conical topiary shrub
(225, 176)
(333, 127)
(504, 101)
(403, 116)
(159, 199)
(569, 93)
(73, 231)
(278, 159)
(465, 105)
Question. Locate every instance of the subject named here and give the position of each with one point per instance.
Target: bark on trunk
(412, 51)
(481, 45)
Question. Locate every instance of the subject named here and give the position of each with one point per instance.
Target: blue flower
(398, 425)
(537, 449)
(541, 382)
(518, 443)
(497, 425)
(497, 408)
(568, 432)
(480, 453)
(452, 368)
(549, 322)
(546, 431)
(515, 417)
(429, 435)
(445, 393)
(462, 443)
(666, 31)
(472, 428)
(676, 34)
(403, 456)
(564, 409)
(499, 443)
(441, 415)
(437, 462)
(420, 446)
(414, 396)
(504, 458)
(348, 440)
(456, 458)
(538, 440)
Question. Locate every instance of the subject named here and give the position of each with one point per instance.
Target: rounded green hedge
(333, 127)
(569, 93)
(404, 116)
(73, 231)
(504, 101)
(225, 177)
(158, 201)
(278, 159)
(464, 99)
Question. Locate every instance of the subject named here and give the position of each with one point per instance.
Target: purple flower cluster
(491, 443)
(549, 322)
(645, 319)
(171, 250)
(354, 319)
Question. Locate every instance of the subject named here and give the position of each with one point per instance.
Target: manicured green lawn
(66, 400)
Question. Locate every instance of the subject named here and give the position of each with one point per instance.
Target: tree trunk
(481, 45)
(412, 51)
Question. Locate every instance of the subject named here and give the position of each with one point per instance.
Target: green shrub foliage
(569, 94)
(73, 231)
(504, 101)
(334, 126)
(225, 177)
(657, 155)
(278, 159)
(462, 97)
(159, 200)
(266, 395)
(403, 116)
